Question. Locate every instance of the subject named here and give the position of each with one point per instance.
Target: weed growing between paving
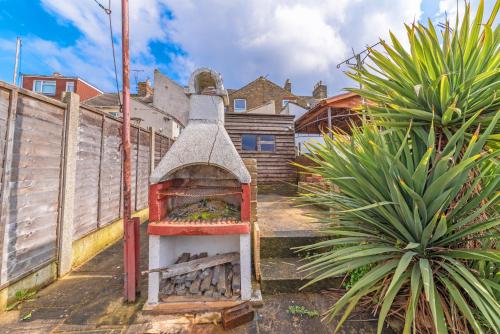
(21, 296)
(302, 311)
(418, 183)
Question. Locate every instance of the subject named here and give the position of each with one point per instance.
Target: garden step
(281, 275)
(278, 244)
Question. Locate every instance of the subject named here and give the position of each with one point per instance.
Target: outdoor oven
(199, 199)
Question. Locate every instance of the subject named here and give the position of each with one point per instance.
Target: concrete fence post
(6, 185)
(71, 122)
(151, 150)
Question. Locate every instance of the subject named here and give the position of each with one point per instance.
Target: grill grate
(201, 192)
(219, 221)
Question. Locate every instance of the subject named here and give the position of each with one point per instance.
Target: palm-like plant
(396, 211)
(419, 184)
(444, 81)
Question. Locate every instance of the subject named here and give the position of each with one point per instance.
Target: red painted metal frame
(168, 228)
(157, 207)
(159, 225)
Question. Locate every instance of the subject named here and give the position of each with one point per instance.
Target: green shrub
(419, 184)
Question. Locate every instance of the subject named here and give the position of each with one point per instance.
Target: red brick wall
(85, 91)
(82, 89)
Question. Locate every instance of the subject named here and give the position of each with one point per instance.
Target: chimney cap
(203, 78)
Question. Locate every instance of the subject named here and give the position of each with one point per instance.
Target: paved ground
(279, 215)
(89, 300)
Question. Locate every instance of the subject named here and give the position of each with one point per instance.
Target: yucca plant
(419, 183)
(396, 211)
(442, 80)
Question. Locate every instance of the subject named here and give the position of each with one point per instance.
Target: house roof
(104, 100)
(108, 100)
(62, 77)
(300, 99)
(315, 120)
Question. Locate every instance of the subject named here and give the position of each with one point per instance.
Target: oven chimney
(204, 141)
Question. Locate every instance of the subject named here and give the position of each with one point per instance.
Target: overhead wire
(108, 12)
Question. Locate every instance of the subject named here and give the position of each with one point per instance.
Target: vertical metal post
(130, 265)
(16, 64)
(330, 122)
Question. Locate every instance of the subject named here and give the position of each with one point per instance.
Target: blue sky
(298, 39)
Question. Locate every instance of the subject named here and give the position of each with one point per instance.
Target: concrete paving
(279, 216)
(88, 300)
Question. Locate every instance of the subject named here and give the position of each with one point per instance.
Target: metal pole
(330, 122)
(16, 65)
(128, 231)
(359, 65)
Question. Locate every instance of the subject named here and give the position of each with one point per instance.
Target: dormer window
(45, 87)
(240, 105)
(70, 86)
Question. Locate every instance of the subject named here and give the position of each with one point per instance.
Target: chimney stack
(288, 85)
(320, 91)
(144, 88)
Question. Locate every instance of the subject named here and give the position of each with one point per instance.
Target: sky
(300, 40)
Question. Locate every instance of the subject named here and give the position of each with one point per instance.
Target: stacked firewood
(221, 281)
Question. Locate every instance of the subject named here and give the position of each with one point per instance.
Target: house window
(70, 86)
(266, 143)
(45, 87)
(259, 143)
(240, 105)
(284, 103)
(249, 142)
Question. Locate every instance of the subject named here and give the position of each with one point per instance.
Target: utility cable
(108, 12)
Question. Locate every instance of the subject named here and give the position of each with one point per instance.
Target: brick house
(262, 92)
(56, 84)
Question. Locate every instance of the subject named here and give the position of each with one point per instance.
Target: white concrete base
(165, 250)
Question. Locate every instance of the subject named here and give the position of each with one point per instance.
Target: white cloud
(90, 56)
(298, 39)
(448, 9)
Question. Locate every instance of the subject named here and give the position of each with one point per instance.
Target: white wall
(294, 109)
(267, 108)
(170, 98)
(301, 139)
(151, 117)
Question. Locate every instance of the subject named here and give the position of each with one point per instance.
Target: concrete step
(281, 275)
(279, 244)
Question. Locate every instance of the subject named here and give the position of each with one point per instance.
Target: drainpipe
(129, 232)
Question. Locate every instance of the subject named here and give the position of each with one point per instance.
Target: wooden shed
(267, 138)
(335, 112)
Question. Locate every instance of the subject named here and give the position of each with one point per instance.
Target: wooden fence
(35, 138)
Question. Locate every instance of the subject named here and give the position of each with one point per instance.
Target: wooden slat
(87, 171)
(272, 167)
(111, 172)
(33, 203)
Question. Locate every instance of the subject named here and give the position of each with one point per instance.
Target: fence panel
(33, 206)
(4, 115)
(87, 173)
(111, 172)
(143, 170)
(31, 169)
